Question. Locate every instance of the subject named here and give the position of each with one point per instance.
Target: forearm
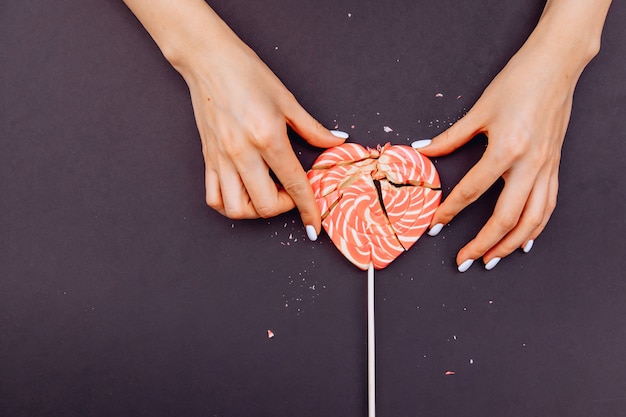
(571, 30)
(183, 27)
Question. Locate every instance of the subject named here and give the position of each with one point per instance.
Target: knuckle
(506, 222)
(515, 149)
(262, 140)
(296, 190)
(266, 211)
(214, 202)
(234, 149)
(265, 144)
(468, 194)
(517, 146)
(534, 220)
(264, 135)
(235, 212)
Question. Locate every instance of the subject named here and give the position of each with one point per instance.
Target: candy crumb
(387, 129)
(270, 334)
(450, 372)
(438, 95)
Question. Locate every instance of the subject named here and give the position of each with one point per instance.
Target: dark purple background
(122, 294)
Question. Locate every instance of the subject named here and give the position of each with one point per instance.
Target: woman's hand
(242, 111)
(524, 112)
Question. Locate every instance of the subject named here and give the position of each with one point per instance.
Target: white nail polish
(421, 143)
(340, 134)
(492, 264)
(528, 246)
(465, 265)
(434, 231)
(310, 233)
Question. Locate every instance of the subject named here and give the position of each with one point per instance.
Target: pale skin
(242, 110)
(524, 112)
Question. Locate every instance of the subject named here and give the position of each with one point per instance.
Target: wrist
(572, 29)
(183, 29)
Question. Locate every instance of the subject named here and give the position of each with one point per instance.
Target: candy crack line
(377, 184)
(376, 176)
(381, 201)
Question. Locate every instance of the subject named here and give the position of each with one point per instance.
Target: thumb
(311, 130)
(451, 139)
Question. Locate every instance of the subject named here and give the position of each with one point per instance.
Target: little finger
(505, 218)
(531, 218)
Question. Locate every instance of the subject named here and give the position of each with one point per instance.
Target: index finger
(283, 161)
(477, 180)
(268, 199)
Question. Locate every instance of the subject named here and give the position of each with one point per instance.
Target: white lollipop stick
(371, 345)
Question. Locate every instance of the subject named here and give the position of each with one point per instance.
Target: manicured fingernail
(310, 233)
(528, 246)
(434, 231)
(465, 265)
(421, 143)
(340, 134)
(492, 264)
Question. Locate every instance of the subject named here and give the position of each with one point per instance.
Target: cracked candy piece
(375, 203)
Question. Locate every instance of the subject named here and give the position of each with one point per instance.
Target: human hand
(242, 111)
(524, 112)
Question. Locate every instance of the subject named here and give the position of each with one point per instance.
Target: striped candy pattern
(375, 203)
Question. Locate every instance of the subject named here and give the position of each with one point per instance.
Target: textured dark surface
(122, 294)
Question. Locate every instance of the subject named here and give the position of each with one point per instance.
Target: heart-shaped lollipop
(375, 203)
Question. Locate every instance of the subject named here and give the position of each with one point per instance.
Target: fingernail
(421, 143)
(465, 265)
(528, 246)
(434, 231)
(340, 134)
(492, 264)
(310, 233)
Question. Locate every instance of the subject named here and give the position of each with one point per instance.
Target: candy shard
(375, 203)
